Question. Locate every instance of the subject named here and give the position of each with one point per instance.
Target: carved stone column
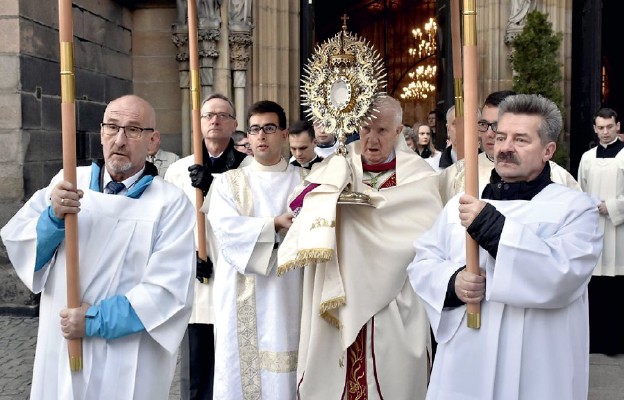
(208, 53)
(240, 47)
(180, 39)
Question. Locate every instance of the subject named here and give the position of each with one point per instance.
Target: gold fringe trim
(314, 256)
(332, 304)
(330, 319)
(305, 258)
(286, 267)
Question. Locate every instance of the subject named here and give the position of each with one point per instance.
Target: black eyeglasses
(245, 145)
(484, 125)
(220, 116)
(268, 129)
(131, 132)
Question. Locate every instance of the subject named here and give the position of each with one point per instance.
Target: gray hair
(391, 104)
(409, 133)
(221, 97)
(450, 114)
(533, 104)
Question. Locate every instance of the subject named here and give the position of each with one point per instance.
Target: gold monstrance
(342, 80)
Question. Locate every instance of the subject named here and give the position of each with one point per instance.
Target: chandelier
(423, 77)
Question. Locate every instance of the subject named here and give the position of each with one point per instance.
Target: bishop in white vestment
(364, 332)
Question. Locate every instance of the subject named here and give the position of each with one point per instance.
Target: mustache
(507, 157)
(118, 149)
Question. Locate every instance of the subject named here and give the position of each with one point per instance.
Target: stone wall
(103, 71)
(30, 116)
(155, 71)
(11, 148)
(116, 51)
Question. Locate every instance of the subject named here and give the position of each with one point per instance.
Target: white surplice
(533, 341)
(452, 179)
(178, 174)
(603, 178)
(257, 314)
(140, 248)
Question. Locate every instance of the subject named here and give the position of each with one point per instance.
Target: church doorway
(389, 26)
(597, 70)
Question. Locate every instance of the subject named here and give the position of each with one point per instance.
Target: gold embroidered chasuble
(363, 277)
(256, 312)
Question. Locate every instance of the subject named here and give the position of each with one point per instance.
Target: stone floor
(17, 351)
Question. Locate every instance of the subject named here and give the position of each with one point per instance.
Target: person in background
(410, 137)
(135, 241)
(601, 174)
(160, 158)
(432, 120)
(301, 140)
(241, 143)
(449, 155)
(326, 143)
(425, 147)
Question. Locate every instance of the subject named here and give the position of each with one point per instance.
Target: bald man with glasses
(135, 239)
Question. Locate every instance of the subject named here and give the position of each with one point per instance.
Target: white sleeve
(438, 255)
(551, 271)
(246, 243)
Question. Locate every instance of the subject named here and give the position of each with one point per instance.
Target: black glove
(201, 177)
(203, 270)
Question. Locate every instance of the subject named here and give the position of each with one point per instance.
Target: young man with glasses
(453, 179)
(257, 313)
(218, 123)
(135, 239)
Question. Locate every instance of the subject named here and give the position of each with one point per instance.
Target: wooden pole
(471, 140)
(196, 124)
(458, 78)
(68, 118)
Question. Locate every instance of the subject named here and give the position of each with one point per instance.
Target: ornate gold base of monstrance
(342, 80)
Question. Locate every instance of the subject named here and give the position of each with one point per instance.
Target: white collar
(279, 167)
(609, 144)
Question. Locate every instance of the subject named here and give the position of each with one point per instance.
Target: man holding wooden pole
(136, 268)
(538, 245)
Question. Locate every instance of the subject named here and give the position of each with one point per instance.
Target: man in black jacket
(218, 123)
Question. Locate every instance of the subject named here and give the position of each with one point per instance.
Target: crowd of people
(303, 294)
